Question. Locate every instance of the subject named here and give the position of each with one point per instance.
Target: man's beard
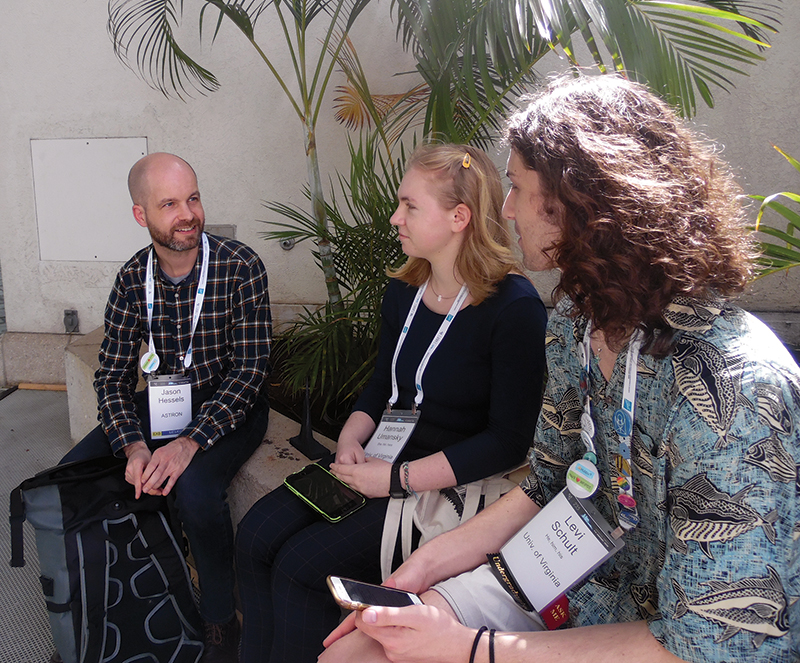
(176, 242)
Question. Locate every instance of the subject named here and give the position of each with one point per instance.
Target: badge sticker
(582, 478)
(623, 423)
(170, 401)
(626, 501)
(391, 435)
(150, 362)
(628, 519)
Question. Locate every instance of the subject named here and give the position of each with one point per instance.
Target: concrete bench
(265, 470)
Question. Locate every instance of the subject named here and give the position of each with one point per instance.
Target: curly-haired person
(678, 409)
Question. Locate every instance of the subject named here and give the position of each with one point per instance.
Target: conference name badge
(391, 435)
(555, 551)
(170, 400)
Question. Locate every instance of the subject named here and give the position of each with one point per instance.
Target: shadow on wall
(2, 307)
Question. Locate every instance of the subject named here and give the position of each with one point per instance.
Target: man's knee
(94, 445)
(200, 507)
(354, 646)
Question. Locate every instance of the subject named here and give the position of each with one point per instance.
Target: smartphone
(323, 492)
(355, 595)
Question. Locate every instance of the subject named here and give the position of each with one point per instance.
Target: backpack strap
(93, 562)
(16, 518)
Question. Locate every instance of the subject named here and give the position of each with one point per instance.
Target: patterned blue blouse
(714, 565)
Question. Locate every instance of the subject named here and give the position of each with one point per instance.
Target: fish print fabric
(714, 565)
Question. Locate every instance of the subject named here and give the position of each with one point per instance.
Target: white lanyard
(150, 361)
(623, 424)
(448, 319)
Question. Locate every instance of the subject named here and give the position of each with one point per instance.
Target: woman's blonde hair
(462, 174)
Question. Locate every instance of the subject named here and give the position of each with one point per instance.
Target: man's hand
(167, 464)
(138, 458)
(417, 634)
(410, 576)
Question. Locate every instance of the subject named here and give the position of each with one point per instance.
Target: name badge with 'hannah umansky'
(391, 435)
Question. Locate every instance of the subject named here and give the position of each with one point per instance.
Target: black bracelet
(475, 643)
(396, 490)
(491, 645)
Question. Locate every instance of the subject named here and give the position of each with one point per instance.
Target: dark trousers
(284, 553)
(200, 496)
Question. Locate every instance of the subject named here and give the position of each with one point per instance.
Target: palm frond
(142, 32)
(680, 49)
(785, 253)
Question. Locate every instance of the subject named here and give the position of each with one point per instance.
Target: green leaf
(143, 39)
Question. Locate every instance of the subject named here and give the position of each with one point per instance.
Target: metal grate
(34, 435)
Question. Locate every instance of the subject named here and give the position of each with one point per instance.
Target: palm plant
(784, 253)
(474, 55)
(334, 349)
(143, 34)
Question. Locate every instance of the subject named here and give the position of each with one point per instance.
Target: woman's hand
(370, 478)
(347, 626)
(349, 451)
(417, 634)
(356, 431)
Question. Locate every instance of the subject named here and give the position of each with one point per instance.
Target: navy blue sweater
(482, 386)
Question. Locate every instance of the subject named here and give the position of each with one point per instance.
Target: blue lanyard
(623, 425)
(437, 339)
(150, 361)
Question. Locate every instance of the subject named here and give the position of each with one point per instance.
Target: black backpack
(113, 575)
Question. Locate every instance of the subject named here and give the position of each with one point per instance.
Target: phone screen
(330, 496)
(366, 594)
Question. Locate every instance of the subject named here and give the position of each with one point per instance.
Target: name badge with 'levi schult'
(555, 551)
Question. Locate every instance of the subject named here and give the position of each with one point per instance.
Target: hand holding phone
(355, 595)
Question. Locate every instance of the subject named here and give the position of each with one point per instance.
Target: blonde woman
(462, 342)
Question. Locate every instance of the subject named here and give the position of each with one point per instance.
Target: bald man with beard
(220, 341)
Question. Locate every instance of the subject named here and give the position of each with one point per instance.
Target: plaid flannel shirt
(231, 344)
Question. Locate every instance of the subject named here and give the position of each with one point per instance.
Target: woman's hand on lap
(370, 478)
(349, 451)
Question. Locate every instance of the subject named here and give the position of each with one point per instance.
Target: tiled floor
(34, 435)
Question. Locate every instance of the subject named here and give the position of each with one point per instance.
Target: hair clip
(467, 160)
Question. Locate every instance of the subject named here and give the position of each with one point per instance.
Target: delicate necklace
(441, 297)
(597, 348)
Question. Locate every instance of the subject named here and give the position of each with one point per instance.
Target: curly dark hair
(648, 211)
